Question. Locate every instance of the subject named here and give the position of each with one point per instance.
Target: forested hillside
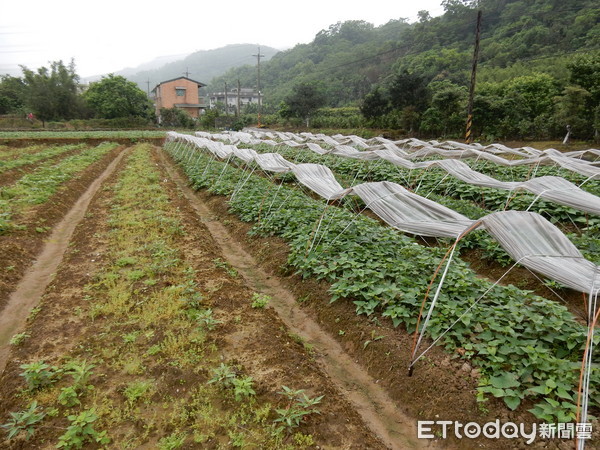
(539, 69)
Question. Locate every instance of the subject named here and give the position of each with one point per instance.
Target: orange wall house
(181, 93)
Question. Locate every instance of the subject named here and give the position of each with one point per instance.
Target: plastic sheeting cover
(319, 179)
(536, 243)
(410, 212)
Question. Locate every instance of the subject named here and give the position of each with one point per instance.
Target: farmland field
(158, 297)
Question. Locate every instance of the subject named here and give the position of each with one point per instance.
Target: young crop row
(528, 348)
(38, 186)
(103, 134)
(39, 155)
(8, 152)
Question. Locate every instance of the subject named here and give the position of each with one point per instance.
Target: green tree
(585, 72)
(12, 94)
(534, 93)
(489, 109)
(375, 105)
(423, 16)
(570, 109)
(354, 31)
(457, 6)
(175, 117)
(529, 105)
(115, 96)
(304, 100)
(447, 113)
(408, 89)
(52, 94)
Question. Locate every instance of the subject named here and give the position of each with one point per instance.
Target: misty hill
(202, 65)
(155, 64)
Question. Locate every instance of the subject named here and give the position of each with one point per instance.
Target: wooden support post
(469, 131)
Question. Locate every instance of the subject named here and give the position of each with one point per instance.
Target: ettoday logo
(433, 429)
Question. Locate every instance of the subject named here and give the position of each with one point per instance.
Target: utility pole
(258, 56)
(237, 110)
(148, 88)
(468, 133)
(226, 101)
(187, 72)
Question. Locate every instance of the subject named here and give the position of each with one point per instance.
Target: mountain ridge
(202, 65)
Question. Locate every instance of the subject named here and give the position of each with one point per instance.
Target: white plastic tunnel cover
(410, 212)
(537, 244)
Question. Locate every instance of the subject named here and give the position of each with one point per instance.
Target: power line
(554, 55)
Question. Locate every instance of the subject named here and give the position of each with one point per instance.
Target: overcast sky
(107, 36)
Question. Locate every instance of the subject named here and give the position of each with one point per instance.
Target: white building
(233, 98)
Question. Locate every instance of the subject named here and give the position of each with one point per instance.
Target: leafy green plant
(126, 261)
(559, 404)
(374, 337)
(511, 331)
(81, 431)
(223, 375)
(502, 386)
(18, 338)
(81, 371)
(218, 262)
(38, 186)
(237, 440)
(259, 301)
(552, 411)
(190, 294)
(130, 338)
(136, 275)
(175, 440)
(242, 387)
(205, 318)
(153, 350)
(136, 390)
(69, 397)
(298, 407)
(38, 374)
(24, 421)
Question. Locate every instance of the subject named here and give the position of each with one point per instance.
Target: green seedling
(24, 421)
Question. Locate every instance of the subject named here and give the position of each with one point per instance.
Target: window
(180, 91)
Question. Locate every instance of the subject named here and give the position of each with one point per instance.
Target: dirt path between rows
(370, 400)
(38, 276)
